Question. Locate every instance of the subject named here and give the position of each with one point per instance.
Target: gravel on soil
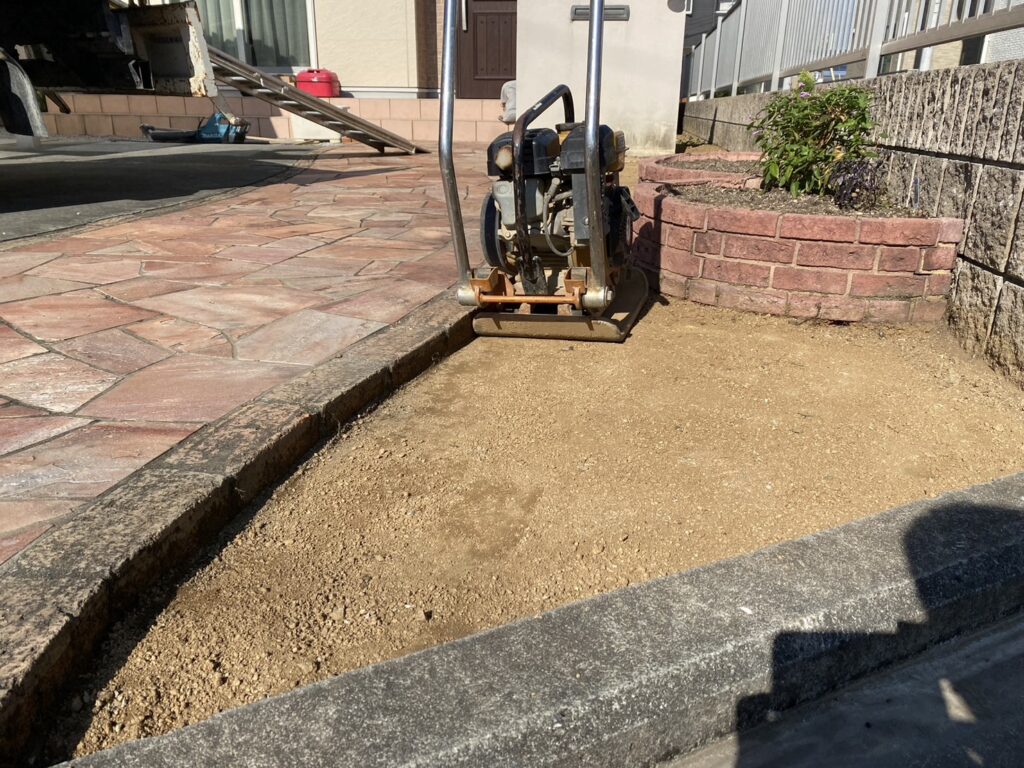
(746, 167)
(520, 475)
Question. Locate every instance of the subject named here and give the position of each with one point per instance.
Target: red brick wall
(827, 267)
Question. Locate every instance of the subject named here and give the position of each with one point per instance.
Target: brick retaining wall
(843, 268)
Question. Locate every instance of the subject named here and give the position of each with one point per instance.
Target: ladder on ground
(273, 90)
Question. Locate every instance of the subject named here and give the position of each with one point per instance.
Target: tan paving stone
(335, 234)
(9, 410)
(16, 434)
(296, 244)
(227, 239)
(72, 246)
(56, 318)
(263, 254)
(98, 270)
(84, 463)
(142, 288)
(233, 306)
(16, 262)
(19, 287)
(53, 382)
(14, 346)
(442, 274)
(141, 248)
(16, 514)
(379, 267)
(304, 266)
(179, 249)
(284, 251)
(305, 338)
(336, 287)
(220, 347)
(214, 271)
(175, 334)
(387, 304)
(114, 351)
(189, 388)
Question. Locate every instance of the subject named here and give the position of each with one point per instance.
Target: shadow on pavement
(75, 183)
(959, 705)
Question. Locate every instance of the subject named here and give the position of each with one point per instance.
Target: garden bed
(809, 265)
(709, 434)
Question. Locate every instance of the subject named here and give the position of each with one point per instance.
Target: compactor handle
(599, 292)
(446, 157)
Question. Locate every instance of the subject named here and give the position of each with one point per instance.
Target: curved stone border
(59, 597)
(844, 268)
(659, 171)
(640, 675)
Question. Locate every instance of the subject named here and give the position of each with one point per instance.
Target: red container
(319, 82)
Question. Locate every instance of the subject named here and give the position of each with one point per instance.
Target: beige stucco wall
(642, 66)
(369, 44)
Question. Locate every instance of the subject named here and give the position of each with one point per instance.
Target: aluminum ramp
(273, 90)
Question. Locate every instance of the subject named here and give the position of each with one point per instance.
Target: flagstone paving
(119, 341)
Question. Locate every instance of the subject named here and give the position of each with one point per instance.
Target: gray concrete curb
(640, 675)
(57, 597)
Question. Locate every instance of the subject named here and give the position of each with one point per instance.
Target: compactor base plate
(613, 325)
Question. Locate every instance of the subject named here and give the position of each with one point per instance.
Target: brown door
(487, 47)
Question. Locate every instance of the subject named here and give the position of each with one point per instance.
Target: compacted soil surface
(521, 475)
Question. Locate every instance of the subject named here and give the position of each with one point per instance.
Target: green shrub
(806, 134)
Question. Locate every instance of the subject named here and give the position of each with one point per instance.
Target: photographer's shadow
(961, 704)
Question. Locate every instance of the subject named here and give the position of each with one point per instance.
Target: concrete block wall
(953, 145)
(476, 120)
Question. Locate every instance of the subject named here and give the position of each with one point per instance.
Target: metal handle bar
(447, 160)
(598, 295)
(531, 269)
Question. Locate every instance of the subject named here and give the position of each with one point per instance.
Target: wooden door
(487, 47)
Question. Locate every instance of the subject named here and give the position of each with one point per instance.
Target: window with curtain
(219, 24)
(278, 33)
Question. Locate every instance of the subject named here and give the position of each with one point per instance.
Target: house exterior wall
(643, 60)
(368, 47)
(701, 21)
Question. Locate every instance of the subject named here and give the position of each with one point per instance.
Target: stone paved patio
(119, 341)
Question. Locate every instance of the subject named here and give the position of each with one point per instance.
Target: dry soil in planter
(779, 200)
(522, 475)
(746, 167)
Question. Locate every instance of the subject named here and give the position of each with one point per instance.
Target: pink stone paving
(118, 341)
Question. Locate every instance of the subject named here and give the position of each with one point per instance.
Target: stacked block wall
(476, 120)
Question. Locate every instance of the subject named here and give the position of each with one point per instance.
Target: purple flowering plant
(807, 134)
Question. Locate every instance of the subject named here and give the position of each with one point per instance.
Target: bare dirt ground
(521, 475)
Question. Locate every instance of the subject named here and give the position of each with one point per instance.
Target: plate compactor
(555, 227)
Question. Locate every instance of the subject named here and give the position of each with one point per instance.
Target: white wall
(643, 60)
(368, 43)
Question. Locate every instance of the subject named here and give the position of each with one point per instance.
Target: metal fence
(759, 44)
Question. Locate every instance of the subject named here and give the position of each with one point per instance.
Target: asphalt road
(68, 182)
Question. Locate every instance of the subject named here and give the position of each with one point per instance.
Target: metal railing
(759, 44)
